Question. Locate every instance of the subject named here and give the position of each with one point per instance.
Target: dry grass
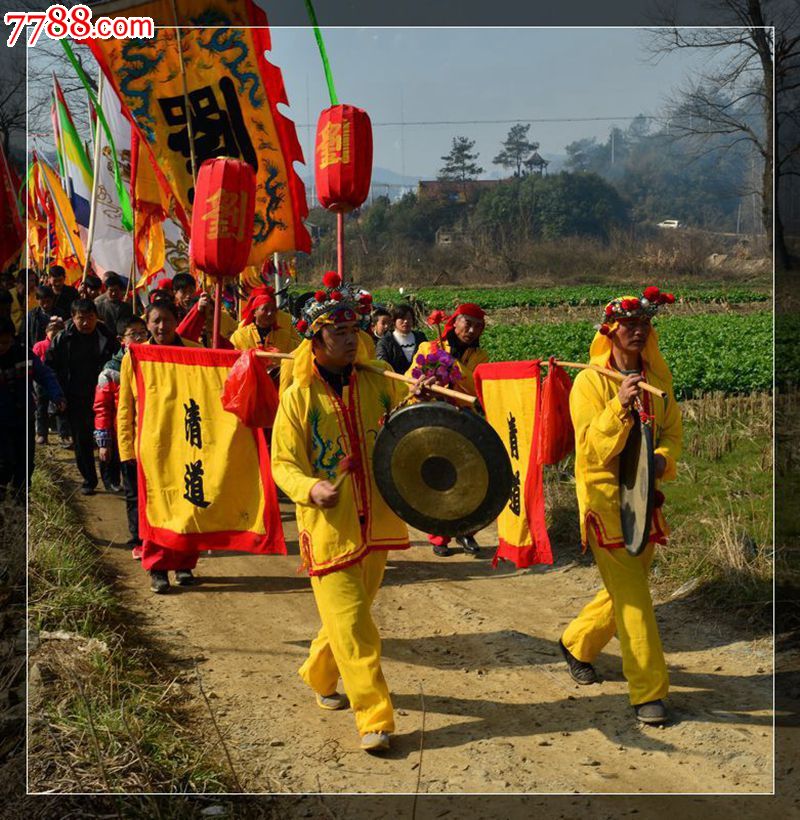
(678, 257)
(103, 715)
(720, 507)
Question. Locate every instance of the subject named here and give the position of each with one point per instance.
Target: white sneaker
(375, 742)
(333, 703)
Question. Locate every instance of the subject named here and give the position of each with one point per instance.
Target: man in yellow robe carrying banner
(603, 417)
(322, 444)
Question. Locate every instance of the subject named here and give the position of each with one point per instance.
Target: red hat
(466, 309)
(258, 297)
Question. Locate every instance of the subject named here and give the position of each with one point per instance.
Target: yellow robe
(313, 430)
(473, 356)
(126, 407)
(283, 336)
(623, 606)
(601, 430)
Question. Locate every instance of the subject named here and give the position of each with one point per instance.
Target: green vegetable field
(732, 354)
(509, 296)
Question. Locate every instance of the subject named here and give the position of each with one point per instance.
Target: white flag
(112, 247)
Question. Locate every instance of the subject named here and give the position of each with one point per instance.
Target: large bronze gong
(637, 487)
(442, 469)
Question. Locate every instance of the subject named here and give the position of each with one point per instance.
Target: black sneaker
(442, 550)
(113, 488)
(159, 581)
(184, 577)
(86, 490)
(580, 671)
(653, 712)
(468, 544)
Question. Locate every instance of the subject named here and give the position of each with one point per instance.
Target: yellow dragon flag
(204, 478)
(511, 398)
(233, 93)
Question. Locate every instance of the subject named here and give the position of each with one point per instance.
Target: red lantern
(343, 154)
(222, 216)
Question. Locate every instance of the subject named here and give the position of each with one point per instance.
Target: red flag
(12, 231)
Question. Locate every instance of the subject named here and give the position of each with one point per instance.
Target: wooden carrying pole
(612, 374)
(389, 374)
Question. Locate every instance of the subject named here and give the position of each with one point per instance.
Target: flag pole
(189, 124)
(95, 178)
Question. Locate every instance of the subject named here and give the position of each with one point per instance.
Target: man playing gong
(322, 444)
(603, 416)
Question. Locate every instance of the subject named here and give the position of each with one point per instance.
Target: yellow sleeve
(670, 437)
(291, 467)
(601, 427)
(241, 338)
(126, 412)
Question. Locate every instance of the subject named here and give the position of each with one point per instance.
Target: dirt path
(478, 647)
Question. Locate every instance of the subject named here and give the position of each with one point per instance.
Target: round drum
(442, 469)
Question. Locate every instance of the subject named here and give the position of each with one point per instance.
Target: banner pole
(95, 177)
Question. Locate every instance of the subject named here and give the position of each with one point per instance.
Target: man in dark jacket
(398, 345)
(19, 368)
(111, 305)
(65, 294)
(77, 356)
(39, 317)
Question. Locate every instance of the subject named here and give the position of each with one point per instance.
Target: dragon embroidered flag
(204, 478)
(511, 397)
(233, 93)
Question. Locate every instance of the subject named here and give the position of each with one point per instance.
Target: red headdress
(258, 297)
(467, 309)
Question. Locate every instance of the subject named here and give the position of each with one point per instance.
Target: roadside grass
(720, 505)
(719, 508)
(102, 715)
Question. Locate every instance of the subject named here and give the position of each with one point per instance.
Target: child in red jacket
(43, 416)
(130, 330)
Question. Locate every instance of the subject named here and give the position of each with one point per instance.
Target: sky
(415, 75)
(432, 75)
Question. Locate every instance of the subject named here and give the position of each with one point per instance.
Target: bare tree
(758, 57)
(12, 98)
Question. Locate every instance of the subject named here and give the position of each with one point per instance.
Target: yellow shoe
(375, 742)
(333, 703)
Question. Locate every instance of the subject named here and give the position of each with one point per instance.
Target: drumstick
(389, 374)
(613, 374)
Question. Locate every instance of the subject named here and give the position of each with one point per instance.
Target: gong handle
(612, 374)
(389, 374)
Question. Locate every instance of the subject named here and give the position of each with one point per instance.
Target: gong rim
(637, 488)
(420, 487)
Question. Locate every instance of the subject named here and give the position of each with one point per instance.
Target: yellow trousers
(623, 606)
(348, 644)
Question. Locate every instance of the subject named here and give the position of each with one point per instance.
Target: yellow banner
(204, 478)
(510, 395)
